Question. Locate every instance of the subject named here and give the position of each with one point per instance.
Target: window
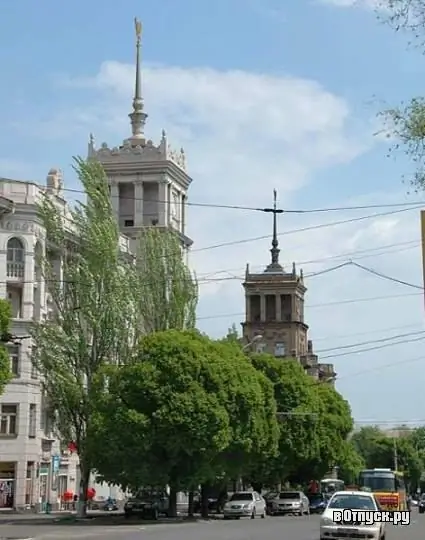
(14, 353)
(279, 349)
(34, 371)
(8, 420)
(15, 258)
(32, 421)
(129, 223)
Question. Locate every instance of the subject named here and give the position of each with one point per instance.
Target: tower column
(138, 203)
(278, 308)
(115, 197)
(263, 307)
(247, 308)
(162, 202)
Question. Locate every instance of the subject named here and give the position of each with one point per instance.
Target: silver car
(245, 504)
(289, 502)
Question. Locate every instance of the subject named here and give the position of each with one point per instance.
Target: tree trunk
(205, 488)
(84, 486)
(172, 508)
(257, 486)
(191, 504)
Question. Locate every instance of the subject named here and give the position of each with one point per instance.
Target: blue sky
(262, 97)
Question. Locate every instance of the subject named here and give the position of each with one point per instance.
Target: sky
(262, 95)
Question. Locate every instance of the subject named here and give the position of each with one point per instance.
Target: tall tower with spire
(274, 301)
(148, 182)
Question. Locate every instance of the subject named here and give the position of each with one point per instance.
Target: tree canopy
(185, 412)
(402, 446)
(5, 318)
(92, 322)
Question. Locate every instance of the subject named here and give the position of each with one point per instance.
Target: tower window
(270, 307)
(279, 349)
(255, 308)
(286, 307)
(129, 223)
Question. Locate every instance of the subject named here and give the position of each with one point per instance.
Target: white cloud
(368, 4)
(245, 134)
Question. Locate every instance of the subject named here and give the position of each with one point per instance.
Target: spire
(275, 265)
(138, 116)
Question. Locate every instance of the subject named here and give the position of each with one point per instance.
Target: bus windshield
(378, 481)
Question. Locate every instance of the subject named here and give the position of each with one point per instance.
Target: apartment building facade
(148, 186)
(33, 469)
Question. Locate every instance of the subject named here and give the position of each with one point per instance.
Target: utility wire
(375, 348)
(305, 229)
(373, 341)
(370, 332)
(259, 209)
(363, 254)
(323, 304)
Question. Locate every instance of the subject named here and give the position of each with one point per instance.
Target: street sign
(55, 464)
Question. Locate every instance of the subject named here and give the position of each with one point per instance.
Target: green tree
(91, 282)
(405, 124)
(333, 425)
(166, 289)
(297, 405)
(5, 318)
(187, 412)
(379, 450)
(350, 463)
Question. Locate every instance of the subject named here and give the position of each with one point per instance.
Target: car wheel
(128, 515)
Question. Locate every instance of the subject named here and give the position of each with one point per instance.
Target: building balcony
(15, 271)
(327, 372)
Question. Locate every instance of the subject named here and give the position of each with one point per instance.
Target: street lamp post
(255, 339)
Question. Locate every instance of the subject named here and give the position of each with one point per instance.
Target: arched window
(15, 258)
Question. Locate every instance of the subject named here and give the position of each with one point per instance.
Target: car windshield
(289, 495)
(315, 497)
(241, 497)
(358, 502)
(146, 494)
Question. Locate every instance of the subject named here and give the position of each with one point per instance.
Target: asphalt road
(276, 528)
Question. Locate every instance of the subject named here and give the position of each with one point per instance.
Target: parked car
(110, 505)
(147, 505)
(318, 502)
(245, 504)
(290, 502)
(215, 504)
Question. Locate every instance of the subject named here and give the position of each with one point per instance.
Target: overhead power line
(323, 304)
(373, 341)
(375, 348)
(259, 209)
(306, 229)
(358, 254)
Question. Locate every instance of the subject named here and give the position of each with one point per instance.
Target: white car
(245, 504)
(351, 500)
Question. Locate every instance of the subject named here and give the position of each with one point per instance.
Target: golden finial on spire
(138, 28)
